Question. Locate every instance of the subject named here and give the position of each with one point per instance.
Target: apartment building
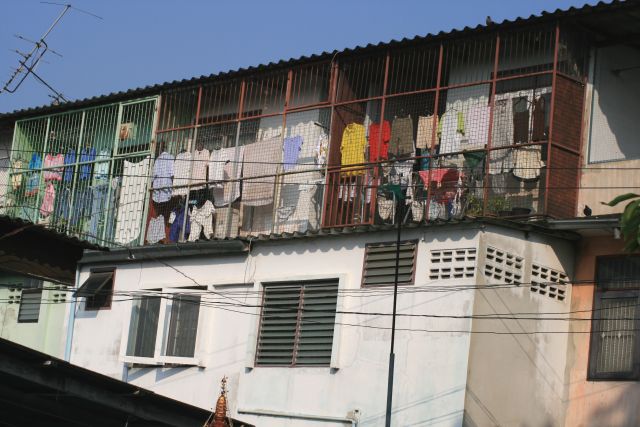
(252, 216)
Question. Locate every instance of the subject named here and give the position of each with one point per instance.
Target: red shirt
(376, 154)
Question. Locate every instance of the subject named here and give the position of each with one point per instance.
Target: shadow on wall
(429, 406)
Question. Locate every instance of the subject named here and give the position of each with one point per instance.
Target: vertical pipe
(492, 96)
(554, 77)
(392, 356)
(192, 148)
(434, 130)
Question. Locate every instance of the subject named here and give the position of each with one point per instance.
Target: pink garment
(51, 161)
(47, 201)
(439, 175)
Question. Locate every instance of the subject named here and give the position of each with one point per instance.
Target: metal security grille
(297, 324)
(380, 264)
(30, 306)
(84, 172)
(614, 338)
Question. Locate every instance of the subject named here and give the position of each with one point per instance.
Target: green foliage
(630, 220)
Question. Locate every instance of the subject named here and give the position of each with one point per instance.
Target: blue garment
(63, 198)
(33, 182)
(292, 148)
(36, 161)
(81, 205)
(69, 158)
(176, 227)
(86, 155)
(162, 177)
(98, 209)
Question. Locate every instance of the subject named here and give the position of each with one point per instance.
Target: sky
(143, 42)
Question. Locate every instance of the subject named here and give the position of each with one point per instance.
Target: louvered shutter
(380, 264)
(30, 306)
(317, 323)
(297, 324)
(279, 323)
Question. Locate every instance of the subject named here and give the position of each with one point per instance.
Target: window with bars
(164, 329)
(297, 323)
(615, 349)
(380, 263)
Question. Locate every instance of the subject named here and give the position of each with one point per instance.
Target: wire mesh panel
(526, 51)
(301, 181)
(219, 102)
(310, 85)
(178, 109)
(73, 180)
(468, 61)
(413, 69)
(360, 78)
(573, 53)
(265, 94)
(26, 163)
(350, 198)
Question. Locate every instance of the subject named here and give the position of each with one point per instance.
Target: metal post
(392, 355)
(551, 114)
(492, 102)
(434, 131)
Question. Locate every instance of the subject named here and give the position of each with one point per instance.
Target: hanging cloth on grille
(261, 161)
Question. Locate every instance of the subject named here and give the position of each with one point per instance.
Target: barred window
(614, 331)
(297, 323)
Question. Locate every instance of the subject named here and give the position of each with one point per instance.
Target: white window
(164, 326)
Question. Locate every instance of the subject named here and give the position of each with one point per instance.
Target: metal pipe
(392, 356)
(72, 319)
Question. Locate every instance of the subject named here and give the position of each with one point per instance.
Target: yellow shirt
(352, 147)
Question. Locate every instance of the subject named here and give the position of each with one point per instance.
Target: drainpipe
(72, 318)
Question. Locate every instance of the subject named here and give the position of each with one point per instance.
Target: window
(31, 297)
(97, 289)
(380, 264)
(296, 324)
(614, 353)
(164, 329)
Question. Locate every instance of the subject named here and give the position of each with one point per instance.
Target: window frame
(159, 357)
(293, 281)
(412, 282)
(32, 290)
(600, 294)
(109, 299)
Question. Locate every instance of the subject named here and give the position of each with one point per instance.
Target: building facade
(251, 222)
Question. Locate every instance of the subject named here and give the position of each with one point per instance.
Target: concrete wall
(611, 150)
(441, 370)
(594, 403)
(516, 377)
(430, 367)
(48, 334)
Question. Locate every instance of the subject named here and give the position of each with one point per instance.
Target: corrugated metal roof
(543, 16)
(20, 224)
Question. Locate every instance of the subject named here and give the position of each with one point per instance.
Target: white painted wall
(431, 367)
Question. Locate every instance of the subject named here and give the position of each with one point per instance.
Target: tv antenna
(29, 61)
